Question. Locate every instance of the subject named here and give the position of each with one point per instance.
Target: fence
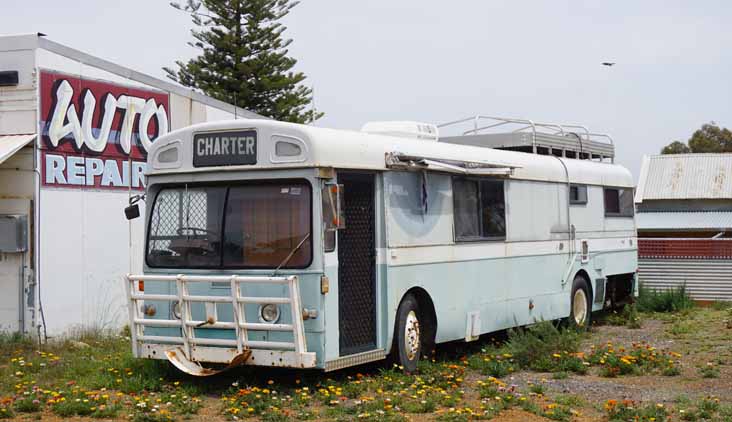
(704, 265)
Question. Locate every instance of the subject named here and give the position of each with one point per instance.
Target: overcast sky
(437, 60)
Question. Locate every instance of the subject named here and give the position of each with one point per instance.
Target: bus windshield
(242, 226)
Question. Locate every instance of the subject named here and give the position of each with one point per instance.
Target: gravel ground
(713, 344)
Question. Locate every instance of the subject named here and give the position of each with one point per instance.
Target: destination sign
(225, 148)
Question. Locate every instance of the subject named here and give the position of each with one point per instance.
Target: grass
(100, 379)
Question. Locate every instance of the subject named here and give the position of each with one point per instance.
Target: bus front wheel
(581, 305)
(407, 346)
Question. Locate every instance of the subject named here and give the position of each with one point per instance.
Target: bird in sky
(608, 64)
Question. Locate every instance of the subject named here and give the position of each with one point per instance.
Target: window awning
(396, 160)
(10, 144)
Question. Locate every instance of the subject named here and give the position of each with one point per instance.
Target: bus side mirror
(333, 218)
(132, 211)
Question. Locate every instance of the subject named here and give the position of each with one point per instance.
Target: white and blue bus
(278, 244)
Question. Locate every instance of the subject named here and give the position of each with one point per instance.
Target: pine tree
(243, 58)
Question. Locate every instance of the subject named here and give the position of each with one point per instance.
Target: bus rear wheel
(581, 305)
(408, 334)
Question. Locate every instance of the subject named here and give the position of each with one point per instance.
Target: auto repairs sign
(96, 134)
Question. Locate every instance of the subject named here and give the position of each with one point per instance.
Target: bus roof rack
(559, 139)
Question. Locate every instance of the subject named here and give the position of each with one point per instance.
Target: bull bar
(234, 352)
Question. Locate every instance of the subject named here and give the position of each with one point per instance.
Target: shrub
(671, 300)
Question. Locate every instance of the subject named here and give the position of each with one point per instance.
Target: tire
(407, 343)
(580, 314)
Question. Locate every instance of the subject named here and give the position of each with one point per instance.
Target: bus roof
(287, 145)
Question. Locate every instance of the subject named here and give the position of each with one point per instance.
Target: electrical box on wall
(13, 233)
(8, 78)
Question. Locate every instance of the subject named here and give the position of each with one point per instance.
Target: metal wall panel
(685, 176)
(706, 279)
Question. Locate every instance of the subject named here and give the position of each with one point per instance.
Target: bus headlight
(269, 313)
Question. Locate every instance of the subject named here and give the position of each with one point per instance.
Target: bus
(278, 244)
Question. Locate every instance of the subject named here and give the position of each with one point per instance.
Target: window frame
(620, 213)
(480, 238)
(579, 202)
(228, 185)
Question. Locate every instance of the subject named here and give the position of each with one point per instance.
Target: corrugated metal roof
(685, 176)
(686, 220)
(10, 144)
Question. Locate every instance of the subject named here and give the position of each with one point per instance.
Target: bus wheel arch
(581, 281)
(416, 302)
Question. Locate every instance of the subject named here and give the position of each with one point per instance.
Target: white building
(74, 131)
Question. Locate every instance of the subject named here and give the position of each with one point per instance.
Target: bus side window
(479, 209)
(618, 202)
(578, 195)
(333, 219)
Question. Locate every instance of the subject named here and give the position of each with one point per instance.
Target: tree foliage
(676, 147)
(710, 138)
(243, 58)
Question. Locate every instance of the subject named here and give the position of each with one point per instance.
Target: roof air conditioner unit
(404, 129)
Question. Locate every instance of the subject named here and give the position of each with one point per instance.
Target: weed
(681, 327)
(556, 412)
(6, 412)
(690, 415)
(494, 365)
(628, 317)
(719, 305)
(570, 400)
(671, 370)
(633, 318)
(534, 346)
(641, 358)
(29, 402)
(708, 406)
(561, 375)
(670, 300)
(538, 389)
(628, 410)
(709, 371)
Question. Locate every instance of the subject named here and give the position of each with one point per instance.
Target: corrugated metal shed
(704, 279)
(684, 220)
(685, 176)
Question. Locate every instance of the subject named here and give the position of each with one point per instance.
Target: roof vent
(414, 130)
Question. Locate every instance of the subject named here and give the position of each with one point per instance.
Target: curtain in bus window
(185, 227)
(466, 199)
(627, 207)
(493, 208)
(612, 201)
(265, 223)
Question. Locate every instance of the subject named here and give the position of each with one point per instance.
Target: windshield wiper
(291, 254)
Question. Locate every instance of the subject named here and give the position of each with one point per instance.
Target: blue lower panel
(508, 292)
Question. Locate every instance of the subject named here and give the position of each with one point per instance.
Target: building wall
(18, 104)
(83, 242)
(16, 198)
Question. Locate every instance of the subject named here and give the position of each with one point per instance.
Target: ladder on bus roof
(562, 140)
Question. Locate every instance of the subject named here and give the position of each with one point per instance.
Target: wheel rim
(411, 335)
(579, 307)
